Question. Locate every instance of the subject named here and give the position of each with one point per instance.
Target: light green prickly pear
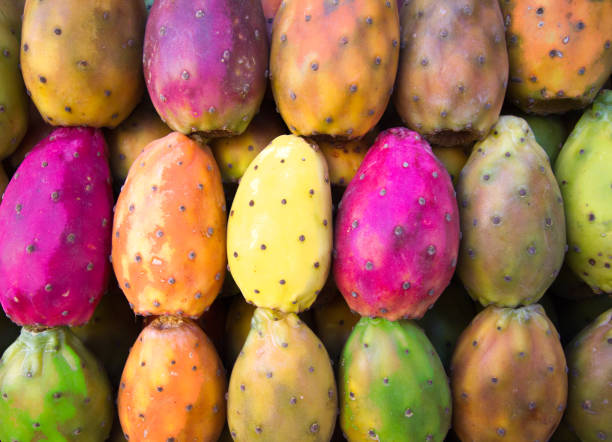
(550, 133)
(511, 218)
(584, 170)
(282, 387)
(392, 384)
(53, 389)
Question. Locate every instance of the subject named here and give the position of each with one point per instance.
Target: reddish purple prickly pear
(55, 224)
(397, 230)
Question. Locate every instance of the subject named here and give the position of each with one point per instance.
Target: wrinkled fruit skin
(282, 386)
(102, 82)
(392, 384)
(53, 389)
(508, 376)
(453, 159)
(453, 69)
(234, 154)
(55, 226)
(397, 229)
(173, 384)
(550, 133)
(560, 53)
(334, 323)
(267, 224)
(205, 64)
(589, 357)
(13, 99)
(344, 157)
(583, 170)
(169, 229)
(512, 218)
(333, 65)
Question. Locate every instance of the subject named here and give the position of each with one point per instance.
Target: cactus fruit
(575, 315)
(13, 99)
(344, 158)
(100, 82)
(334, 323)
(392, 384)
(128, 140)
(234, 154)
(237, 327)
(282, 386)
(589, 357)
(3, 180)
(149, 4)
(453, 159)
(511, 218)
(583, 169)
(53, 389)
(205, 63)
(169, 229)
(55, 226)
(397, 229)
(37, 130)
(173, 384)
(282, 208)
(550, 133)
(509, 377)
(453, 69)
(333, 64)
(560, 53)
(269, 9)
(10, 15)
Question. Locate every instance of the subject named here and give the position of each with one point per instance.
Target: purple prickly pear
(55, 224)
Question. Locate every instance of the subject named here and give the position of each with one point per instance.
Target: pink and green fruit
(55, 227)
(397, 229)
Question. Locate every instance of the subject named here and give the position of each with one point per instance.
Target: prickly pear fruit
(392, 384)
(173, 384)
(128, 140)
(549, 132)
(453, 159)
(344, 158)
(269, 9)
(282, 387)
(169, 229)
(3, 181)
(397, 229)
(583, 169)
(13, 99)
(237, 327)
(334, 323)
(448, 317)
(55, 226)
(149, 4)
(37, 130)
(10, 15)
(589, 357)
(560, 53)
(575, 315)
(333, 64)
(282, 208)
(234, 154)
(101, 81)
(520, 390)
(511, 218)
(53, 388)
(205, 63)
(453, 69)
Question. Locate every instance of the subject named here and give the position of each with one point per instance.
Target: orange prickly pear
(169, 229)
(345, 157)
(173, 385)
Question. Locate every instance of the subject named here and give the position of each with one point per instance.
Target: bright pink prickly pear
(397, 229)
(55, 226)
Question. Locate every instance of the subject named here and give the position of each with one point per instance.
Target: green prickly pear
(392, 384)
(550, 133)
(282, 386)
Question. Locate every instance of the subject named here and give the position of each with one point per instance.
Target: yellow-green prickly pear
(282, 387)
(279, 233)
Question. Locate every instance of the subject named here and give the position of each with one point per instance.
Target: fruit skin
(55, 226)
(37, 130)
(169, 229)
(282, 387)
(589, 357)
(101, 82)
(234, 154)
(583, 171)
(237, 327)
(334, 323)
(549, 131)
(333, 65)
(173, 384)
(520, 390)
(13, 99)
(511, 218)
(128, 140)
(3, 181)
(267, 223)
(392, 384)
(344, 157)
(205, 63)
(53, 389)
(269, 9)
(453, 159)
(10, 15)
(560, 53)
(397, 229)
(453, 69)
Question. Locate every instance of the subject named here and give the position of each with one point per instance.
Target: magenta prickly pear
(55, 224)
(397, 230)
